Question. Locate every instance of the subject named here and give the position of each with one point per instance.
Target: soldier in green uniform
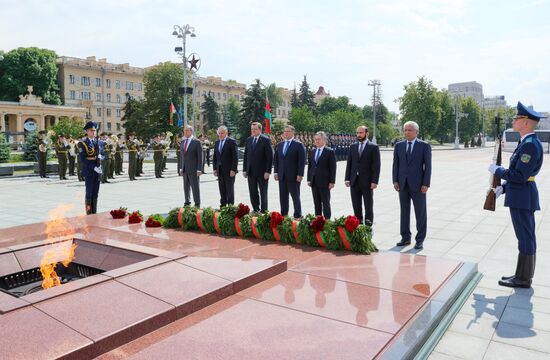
(105, 163)
(78, 160)
(133, 148)
(62, 150)
(112, 146)
(164, 142)
(119, 155)
(158, 155)
(73, 152)
(141, 157)
(42, 153)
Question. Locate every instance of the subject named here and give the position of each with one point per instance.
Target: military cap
(530, 113)
(90, 125)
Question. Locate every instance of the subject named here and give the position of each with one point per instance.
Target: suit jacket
(228, 159)
(191, 160)
(258, 160)
(322, 172)
(291, 165)
(415, 171)
(364, 168)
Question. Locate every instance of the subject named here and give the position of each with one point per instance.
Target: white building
(495, 102)
(470, 88)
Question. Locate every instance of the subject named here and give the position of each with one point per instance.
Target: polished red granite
(186, 295)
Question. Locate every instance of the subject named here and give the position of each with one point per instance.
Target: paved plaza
(495, 323)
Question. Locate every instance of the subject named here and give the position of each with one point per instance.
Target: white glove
(498, 191)
(101, 157)
(493, 168)
(98, 170)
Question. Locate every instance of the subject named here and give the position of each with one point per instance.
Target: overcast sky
(504, 45)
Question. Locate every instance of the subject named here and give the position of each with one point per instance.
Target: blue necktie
(285, 148)
(361, 146)
(221, 146)
(254, 143)
(409, 150)
(317, 156)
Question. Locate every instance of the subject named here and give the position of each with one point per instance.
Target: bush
(4, 149)
(30, 148)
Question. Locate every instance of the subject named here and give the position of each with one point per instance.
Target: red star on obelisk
(194, 61)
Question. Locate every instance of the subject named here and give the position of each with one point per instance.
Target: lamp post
(182, 32)
(374, 84)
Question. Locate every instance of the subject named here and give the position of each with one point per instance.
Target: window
(108, 83)
(98, 111)
(129, 85)
(86, 95)
(108, 112)
(97, 96)
(71, 79)
(85, 80)
(117, 84)
(219, 96)
(118, 112)
(140, 86)
(117, 126)
(108, 125)
(108, 97)
(72, 95)
(118, 98)
(97, 82)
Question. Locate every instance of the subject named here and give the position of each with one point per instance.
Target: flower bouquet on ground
(355, 236)
(120, 213)
(266, 225)
(226, 220)
(207, 220)
(242, 225)
(135, 217)
(155, 220)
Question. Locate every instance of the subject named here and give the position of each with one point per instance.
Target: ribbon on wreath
(253, 224)
(295, 231)
(344, 236)
(238, 226)
(199, 220)
(216, 225)
(276, 234)
(180, 217)
(320, 238)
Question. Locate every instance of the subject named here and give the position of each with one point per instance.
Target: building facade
(100, 87)
(321, 94)
(468, 89)
(495, 102)
(30, 114)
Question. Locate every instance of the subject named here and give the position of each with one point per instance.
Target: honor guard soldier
(78, 160)
(42, 153)
(133, 147)
(72, 154)
(119, 154)
(141, 156)
(158, 155)
(105, 162)
(91, 153)
(61, 151)
(111, 155)
(521, 194)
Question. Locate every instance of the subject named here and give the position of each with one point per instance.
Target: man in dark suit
(225, 163)
(412, 171)
(289, 163)
(258, 160)
(362, 174)
(321, 174)
(191, 166)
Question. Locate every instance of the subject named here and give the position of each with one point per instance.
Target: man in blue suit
(522, 196)
(412, 172)
(288, 167)
(91, 154)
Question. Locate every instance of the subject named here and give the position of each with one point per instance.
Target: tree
(30, 147)
(294, 101)
(133, 118)
(209, 109)
(419, 103)
(303, 119)
(470, 124)
(29, 66)
(305, 96)
(252, 110)
(330, 104)
(275, 97)
(446, 127)
(68, 127)
(4, 147)
(230, 114)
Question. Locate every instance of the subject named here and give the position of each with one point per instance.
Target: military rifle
(494, 181)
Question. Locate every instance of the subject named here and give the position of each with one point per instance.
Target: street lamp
(374, 84)
(457, 119)
(181, 32)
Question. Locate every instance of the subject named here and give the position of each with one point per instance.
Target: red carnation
(318, 224)
(135, 218)
(352, 222)
(242, 211)
(118, 213)
(152, 223)
(276, 219)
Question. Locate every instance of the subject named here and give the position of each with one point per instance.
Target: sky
(341, 45)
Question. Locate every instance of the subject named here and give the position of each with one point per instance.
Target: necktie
(221, 146)
(409, 149)
(361, 146)
(185, 145)
(317, 156)
(285, 148)
(254, 143)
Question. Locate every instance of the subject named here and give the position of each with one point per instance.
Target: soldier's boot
(512, 276)
(524, 273)
(94, 206)
(88, 203)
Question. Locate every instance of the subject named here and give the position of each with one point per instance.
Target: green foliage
(275, 97)
(469, 125)
(4, 149)
(171, 221)
(305, 233)
(420, 103)
(303, 119)
(158, 217)
(306, 97)
(30, 147)
(210, 111)
(68, 127)
(226, 220)
(230, 114)
(263, 225)
(29, 66)
(285, 231)
(252, 109)
(447, 123)
(278, 127)
(246, 226)
(133, 118)
(207, 218)
(330, 104)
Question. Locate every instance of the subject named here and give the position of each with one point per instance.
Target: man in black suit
(191, 166)
(321, 174)
(258, 160)
(362, 174)
(225, 163)
(289, 163)
(412, 171)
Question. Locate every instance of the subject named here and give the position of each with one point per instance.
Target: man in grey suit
(191, 166)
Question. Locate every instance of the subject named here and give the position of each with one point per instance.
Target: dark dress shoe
(403, 243)
(418, 246)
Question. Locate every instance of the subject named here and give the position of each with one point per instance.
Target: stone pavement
(496, 323)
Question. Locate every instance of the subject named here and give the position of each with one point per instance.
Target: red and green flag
(172, 112)
(268, 120)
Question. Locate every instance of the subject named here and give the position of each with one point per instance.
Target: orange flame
(57, 228)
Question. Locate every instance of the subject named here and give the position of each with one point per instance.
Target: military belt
(531, 178)
(62, 152)
(91, 158)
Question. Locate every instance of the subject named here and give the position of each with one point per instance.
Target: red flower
(119, 213)
(318, 224)
(242, 211)
(352, 223)
(276, 219)
(134, 218)
(152, 223)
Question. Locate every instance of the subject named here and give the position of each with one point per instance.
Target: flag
(268, 121)
(180, 121)
(172, 112)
